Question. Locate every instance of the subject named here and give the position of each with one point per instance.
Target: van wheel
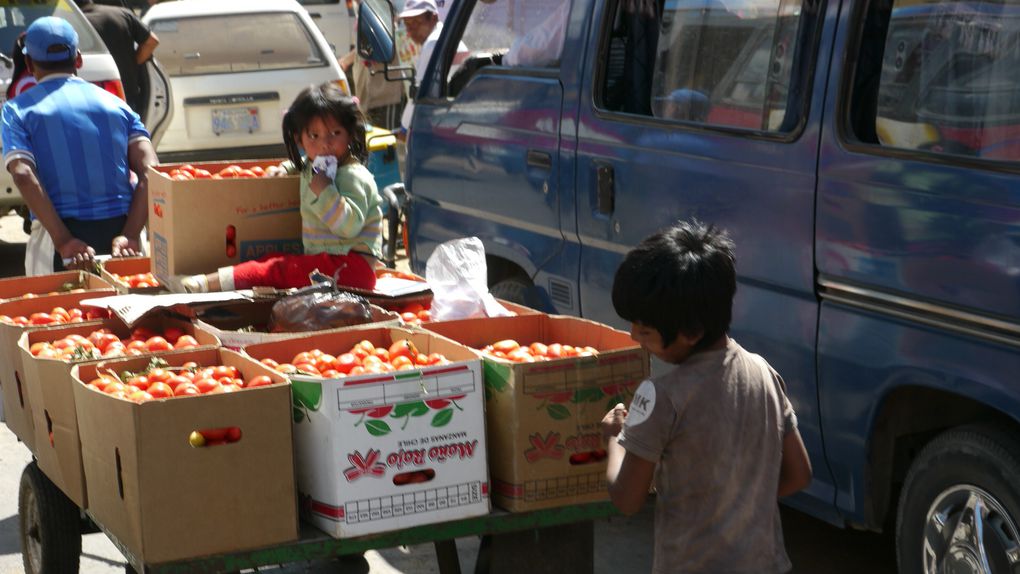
(50, 525)
(960, 503)
(515, 289)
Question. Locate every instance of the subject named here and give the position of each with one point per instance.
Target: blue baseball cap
(50, 39)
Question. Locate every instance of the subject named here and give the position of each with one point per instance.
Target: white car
(235, 66)
(335, 19)
(98, 67)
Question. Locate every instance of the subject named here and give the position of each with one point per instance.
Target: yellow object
(196, 439)
(379, 139)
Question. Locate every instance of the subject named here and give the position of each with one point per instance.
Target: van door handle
(606, 189)
(315, 15)
(539, 159)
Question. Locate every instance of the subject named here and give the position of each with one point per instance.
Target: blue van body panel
(806, 209)
(864, 357)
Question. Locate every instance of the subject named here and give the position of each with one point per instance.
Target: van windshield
(231, 43)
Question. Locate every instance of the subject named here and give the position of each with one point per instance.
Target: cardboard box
(164, 500)
(243, 324)
(17, 403)
(53, 284)
(126, 266)
(545, 445)
(362, 442)
(49, 385)
(200, 225)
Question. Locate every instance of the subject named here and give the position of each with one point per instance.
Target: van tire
(515, 289)
(958, 469)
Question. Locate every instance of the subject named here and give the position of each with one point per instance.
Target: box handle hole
(414, 477)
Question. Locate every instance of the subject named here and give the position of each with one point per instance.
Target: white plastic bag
(457, 275)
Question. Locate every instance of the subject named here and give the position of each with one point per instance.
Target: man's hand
(612, 423)
(126, 247)
(76, 254)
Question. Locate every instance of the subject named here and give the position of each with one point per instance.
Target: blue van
(863, 154)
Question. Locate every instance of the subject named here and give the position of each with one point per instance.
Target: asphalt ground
(622, 544)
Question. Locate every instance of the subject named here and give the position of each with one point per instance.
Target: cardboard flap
(132, 307)
(55, 284)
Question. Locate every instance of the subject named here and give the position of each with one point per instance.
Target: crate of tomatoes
(131, 275)
(34, 313)
(47, 358)
(389, 428)
(206, 216)
(203, 465)
(555, 377)
(53, 284)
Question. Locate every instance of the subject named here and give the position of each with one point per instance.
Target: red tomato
(345, 362)
(157, 344)
(505, 346)
(259, 381)
(160, 390)
(403, 348)
(187, 389)
(171, 334)
(185, 342)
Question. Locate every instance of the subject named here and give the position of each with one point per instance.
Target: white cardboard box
(360, 441)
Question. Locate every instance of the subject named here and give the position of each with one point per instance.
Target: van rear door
(704, 111)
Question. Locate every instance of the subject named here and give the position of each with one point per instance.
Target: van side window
(940, 77)
(710, 62)
(527, 33)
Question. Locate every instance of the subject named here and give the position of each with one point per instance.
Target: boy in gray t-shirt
(717, 433)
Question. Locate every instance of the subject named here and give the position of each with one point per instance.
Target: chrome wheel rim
(968, 531)
(32, 530)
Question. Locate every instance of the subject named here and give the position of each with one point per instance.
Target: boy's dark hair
(324, 100)
(67, 66)
(680, 280)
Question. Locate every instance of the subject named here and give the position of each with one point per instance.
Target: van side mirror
(375, 30)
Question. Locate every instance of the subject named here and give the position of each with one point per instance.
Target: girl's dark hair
(681, 280)
(20, 67)
(325, 100)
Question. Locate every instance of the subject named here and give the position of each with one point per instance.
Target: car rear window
(17, 16)
(231, 43)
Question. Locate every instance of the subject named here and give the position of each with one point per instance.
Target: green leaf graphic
(413, 409)
(377, 427)
(558, 411)
(442, 418)
(497, 377)
(299, 415)
(589, 395)
(306, 393)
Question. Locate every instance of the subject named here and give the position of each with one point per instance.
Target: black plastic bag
(317, 308)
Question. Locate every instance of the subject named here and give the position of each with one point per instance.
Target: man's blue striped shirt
(77, 135)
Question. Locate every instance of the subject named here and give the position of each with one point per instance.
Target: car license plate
(235, 120)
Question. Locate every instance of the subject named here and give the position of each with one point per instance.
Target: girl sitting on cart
(341, 209)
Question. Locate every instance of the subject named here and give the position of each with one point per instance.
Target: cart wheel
(50, 525)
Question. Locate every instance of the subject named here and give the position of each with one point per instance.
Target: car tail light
(114, 87)
(342, 84)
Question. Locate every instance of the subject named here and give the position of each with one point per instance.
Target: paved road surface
(623, 545)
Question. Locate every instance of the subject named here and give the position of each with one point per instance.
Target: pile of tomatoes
(57, 316)
(137, 281)
(363, 358)
(187, 172)
(102, 343)
(188, 380)
(414, 313)
(511, 350)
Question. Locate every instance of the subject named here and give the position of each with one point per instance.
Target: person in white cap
(423, 25)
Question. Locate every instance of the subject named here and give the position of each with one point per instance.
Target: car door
(483, 156)
(158, 99)
(710, 110)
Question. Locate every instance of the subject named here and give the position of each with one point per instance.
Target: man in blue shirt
(71, 147)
